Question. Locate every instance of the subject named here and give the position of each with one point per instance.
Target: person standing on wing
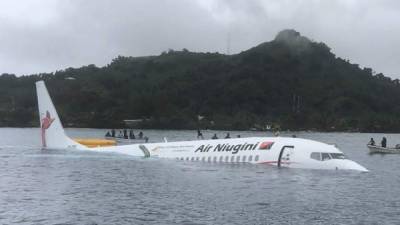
(383, 142)
(199, 134)
(113, 133)
(131, 134)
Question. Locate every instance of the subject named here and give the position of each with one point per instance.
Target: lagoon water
(76, 187)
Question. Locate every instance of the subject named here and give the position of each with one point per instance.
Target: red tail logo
(46, 123)
(266, 145)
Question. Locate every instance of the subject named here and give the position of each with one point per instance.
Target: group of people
(383, 142)
(124, 134)
(200, 135)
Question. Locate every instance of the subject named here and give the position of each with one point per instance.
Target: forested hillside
(289, 82)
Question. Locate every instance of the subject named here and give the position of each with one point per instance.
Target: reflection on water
(80, 187)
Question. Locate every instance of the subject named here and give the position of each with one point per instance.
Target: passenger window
(227, 158)
(182, 158)
(197, 158)
(209, 158)
(221, 158)
(244, 158)
(256, 158)
(238, 158)
(325, 156)
(250, 158)
(316, 156)
(203, 159)
(187, 158)
(215, 159)
(233, 158)
(192, 159)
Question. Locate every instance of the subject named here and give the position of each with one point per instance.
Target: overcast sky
(49, 35)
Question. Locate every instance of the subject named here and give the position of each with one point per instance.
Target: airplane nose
(351, 165)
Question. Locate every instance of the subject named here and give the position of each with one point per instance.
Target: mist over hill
(290, 82)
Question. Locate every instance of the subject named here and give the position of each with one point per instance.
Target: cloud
(46, 35)
(85, 33)
(365, 32)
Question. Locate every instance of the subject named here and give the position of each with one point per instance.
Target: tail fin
(52, 131)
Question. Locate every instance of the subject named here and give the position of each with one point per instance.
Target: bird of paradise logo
(266, 145)
(46, 123)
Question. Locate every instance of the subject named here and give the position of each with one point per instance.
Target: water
(73, 187)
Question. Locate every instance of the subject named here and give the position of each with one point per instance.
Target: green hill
(290, 82)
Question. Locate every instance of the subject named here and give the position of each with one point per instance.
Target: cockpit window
(337, 156)
(325, 156)
(316, 156)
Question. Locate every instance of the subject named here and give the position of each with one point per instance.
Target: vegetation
(290, 82)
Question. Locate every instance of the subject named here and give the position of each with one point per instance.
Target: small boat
(384, 150)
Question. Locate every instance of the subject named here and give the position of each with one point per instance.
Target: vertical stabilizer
(51, 129)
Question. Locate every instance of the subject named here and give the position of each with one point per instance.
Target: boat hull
(382, 150)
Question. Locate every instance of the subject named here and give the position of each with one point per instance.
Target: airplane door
(285, 155)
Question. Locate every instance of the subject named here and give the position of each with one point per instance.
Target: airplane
(285, 152)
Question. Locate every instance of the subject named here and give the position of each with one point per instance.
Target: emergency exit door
(285, 155)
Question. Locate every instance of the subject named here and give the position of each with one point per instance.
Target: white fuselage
(279, 151)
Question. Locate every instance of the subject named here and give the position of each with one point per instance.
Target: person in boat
(371, 142)
(383, 142)
(214, 136)
(146, 139)
(125, 134)
(199, 134)
(131, 134)
(140, 135)
(120, 135)
(112, 132)
(227, 135)
(238, 136)
(108, 134)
